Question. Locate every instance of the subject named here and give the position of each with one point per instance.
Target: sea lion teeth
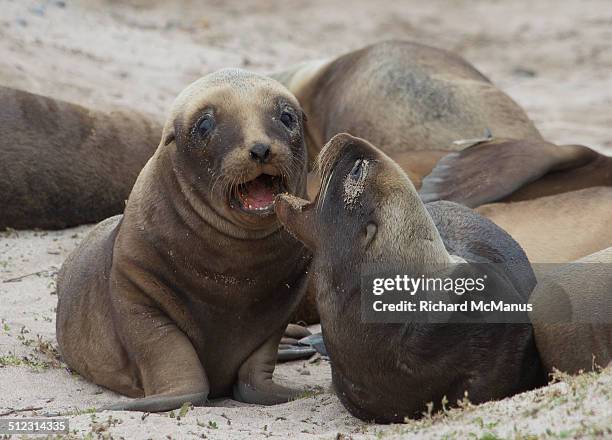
(258, 194)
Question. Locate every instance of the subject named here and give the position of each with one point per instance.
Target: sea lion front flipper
(168, 364)
(290, 349)
(489, 171)
(158, 403)
(255, 384)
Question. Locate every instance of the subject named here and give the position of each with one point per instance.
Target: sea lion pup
(64, 165)
(187, 295)
(559, 228)
(572, 316)
(419, 104)
(369, 213)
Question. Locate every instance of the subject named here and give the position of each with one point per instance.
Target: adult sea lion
(558, 228)
(419, 104)
(368, 213)
(63, 165)
(572, 316)
(186, 296)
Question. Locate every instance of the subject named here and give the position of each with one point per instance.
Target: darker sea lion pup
(419, 104)
(63, 165)
(186, 296)
(572, 316)
(369, 213)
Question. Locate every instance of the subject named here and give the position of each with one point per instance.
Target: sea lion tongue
(258, 194)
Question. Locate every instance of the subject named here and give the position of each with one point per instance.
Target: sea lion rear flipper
(158, 403)
(304, 348)
(290, 348)
(315, 341)
(489, 171)
(288, 353)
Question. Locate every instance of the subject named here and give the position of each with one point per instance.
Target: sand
(554, 58)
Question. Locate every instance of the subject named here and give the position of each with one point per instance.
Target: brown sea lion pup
(368, 213)
(186, 296)
(572, 316)
(63, 165)
(559, 228)
(419, 104)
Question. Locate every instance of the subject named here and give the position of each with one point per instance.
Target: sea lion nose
(260, 153)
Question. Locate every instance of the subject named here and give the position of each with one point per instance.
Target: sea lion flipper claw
(158, 403)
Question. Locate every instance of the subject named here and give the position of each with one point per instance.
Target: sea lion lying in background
(64, 165)
(419, 105)
(186, 296)
(369, 213)
(572, 316)
(559, 228)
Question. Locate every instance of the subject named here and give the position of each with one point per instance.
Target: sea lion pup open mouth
(187, 295)
(257, 196)
(368, 214)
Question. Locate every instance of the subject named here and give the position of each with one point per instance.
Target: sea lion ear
(168, 137)
(491, 170)
(170, 131)
(297, 216)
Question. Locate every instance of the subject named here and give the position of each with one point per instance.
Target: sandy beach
(553, 58)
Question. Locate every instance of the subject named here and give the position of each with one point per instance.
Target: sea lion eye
(357, 169)
(287, 119)
(205, 125)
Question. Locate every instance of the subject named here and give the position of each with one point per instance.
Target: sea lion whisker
(217, 177)
(323, 195)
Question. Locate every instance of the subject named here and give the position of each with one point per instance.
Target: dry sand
(554, 58)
